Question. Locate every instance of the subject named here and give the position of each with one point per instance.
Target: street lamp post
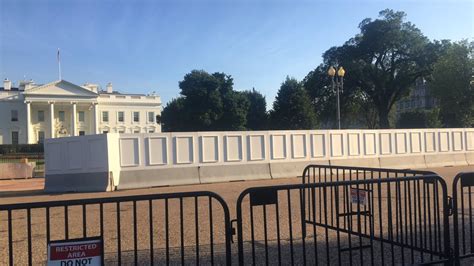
(338, 85)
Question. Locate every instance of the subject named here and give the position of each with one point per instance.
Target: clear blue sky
(144, 46)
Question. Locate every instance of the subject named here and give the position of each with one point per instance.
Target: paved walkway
(31, 190)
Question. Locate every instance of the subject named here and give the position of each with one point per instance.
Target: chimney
(7, 85)
(109, 88)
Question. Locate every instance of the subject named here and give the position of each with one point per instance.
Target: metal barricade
(378, 221)
(334, 173)
(175, 228)
(314, 173)
(339, 215)
(463, 203)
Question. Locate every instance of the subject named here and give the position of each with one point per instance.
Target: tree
(234, 116)
(357, 110)
(419, 119)
(383, 61)
(202, 103)
(292, 108)
(208, 102)
(173, 117)
(257, 116)
(452, 85)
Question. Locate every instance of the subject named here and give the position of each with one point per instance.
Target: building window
(15, 137)
(151, 117)
(82, 133)
(40, 116)
(136, 116)
(105, 116)
(151, 130)
(61, 116)
(14, 115)
(82, 117)
(120, 117)
(136, 131)
(40, 137)
(121, 131)
(105, 131)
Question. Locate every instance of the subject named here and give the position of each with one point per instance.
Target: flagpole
(59, 66)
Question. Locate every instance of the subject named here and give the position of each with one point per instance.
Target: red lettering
(67, 251)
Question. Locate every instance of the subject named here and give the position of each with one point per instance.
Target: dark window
(105, 132)
(82, 133)
(62, 117)
(40, 116)
(105, 116)
(136, 116)
(40, 137)
(81, 116)
(14, 115)
(121, 117)
(151, 117)
(15, 137)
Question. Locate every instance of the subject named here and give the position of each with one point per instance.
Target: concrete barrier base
(470, 158)
(286, 170)
(225, 173)
(158, 177)
(80, 182)
(442, 160)
(16, 170)
(403, 162)
(362, 162)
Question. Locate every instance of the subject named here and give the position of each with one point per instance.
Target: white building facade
(31, 113)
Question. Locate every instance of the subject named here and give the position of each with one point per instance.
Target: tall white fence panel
(159, 159)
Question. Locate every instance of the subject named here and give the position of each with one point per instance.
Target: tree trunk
(383, 118)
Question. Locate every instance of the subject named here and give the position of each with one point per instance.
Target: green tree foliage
(208, 102)
(419, 119)
(234, 116)
(357, 110)
(202, 104)
(381, 62)
(173, 116)
(452, 85)
(323, 97)
(257, 116)
(292, 108)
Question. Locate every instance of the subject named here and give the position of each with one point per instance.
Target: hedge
(21, 148)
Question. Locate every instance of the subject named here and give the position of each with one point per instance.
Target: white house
(30, 113)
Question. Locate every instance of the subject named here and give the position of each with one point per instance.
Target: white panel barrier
(80, 164)
(158, 159)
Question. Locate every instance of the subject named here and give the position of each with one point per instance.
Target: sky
(145, 46)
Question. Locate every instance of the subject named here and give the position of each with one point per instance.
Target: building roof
(102, 92)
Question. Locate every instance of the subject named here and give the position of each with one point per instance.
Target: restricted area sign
(358, 196)
(83, 251)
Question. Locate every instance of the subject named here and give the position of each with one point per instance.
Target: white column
(95, 128)
(74, 120)
(51, 119)
(28, 123)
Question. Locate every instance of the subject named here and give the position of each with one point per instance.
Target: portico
(59, 118)
(60, 110)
